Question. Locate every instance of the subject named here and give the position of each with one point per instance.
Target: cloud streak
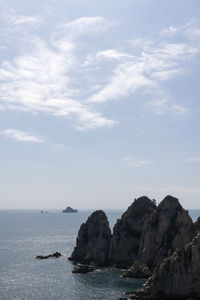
(21, 136)
(137, 163)
(145, 71)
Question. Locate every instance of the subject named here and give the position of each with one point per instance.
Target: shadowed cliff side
(92, 243)
(178, 277)
(168, 228)
(127, 232)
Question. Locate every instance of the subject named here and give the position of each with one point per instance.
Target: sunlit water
(25, 234)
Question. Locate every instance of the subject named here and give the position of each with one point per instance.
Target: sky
(99, 103)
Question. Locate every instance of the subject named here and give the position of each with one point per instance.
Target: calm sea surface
(25, 234)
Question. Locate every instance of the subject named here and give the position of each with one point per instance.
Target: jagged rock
(92, 244)
(55, 255)
(83, 269)
(127, 232)
(138, 270)
(169, 227)
(178, 277)
(197, 224)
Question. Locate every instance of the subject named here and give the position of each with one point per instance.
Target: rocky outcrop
(178, 277)
(168, 228)
(70, 210)
(54, 255)
(92, 244)
(138, 270)
(127, 232)
(83, 269)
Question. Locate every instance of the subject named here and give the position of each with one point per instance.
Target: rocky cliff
(92, 243)
(168, 228)
(127, 232)
(178, 277)
(144, 233)
(197, 224)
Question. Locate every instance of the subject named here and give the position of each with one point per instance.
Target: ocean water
(26, 234)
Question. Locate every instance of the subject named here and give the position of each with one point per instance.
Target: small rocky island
(160, 243)
(54, 255)
(69, 210)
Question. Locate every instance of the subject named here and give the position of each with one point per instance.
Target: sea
(25, 234)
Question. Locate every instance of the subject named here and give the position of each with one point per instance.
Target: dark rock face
(178, 277)
(55, 255)
(138, 270)
(92, 244)
(169, 227)
(127, 232)
(197, 225)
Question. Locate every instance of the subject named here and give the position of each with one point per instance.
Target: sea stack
(92, 243)
(127, 232)
(168, 228)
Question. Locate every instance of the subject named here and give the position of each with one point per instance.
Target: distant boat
(69, 210)
(44, 212)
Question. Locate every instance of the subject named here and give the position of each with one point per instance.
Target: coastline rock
(69, 210)
(178, 277)
(127, 232)
(197, 225)
(55, 255)
(92, 243)
(138, 270)
(83, 269)
(169, 227)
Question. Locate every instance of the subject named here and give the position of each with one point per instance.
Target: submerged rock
(83, 269)
(55, 255)
(127, 232)
(178, 277)
(169, 227)
(92, 243)
(138, 270)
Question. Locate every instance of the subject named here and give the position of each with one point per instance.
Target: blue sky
(99, 102)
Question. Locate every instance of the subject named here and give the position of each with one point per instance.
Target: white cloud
(127, 79)
(170, 31)
(26, 20)
(190, 30)
(109, 54)
(48, 76)
(136, 163)
(79, 27)
(21, 136)
(146, 70)
(40, 81)
(161, 106)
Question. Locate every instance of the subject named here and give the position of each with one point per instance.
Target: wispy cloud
(191, 30)
(82, 26)
(21, 136)
(41, 80)
(136, 163)
(193, 159)
(53, 76)
(26, 20)
(162, 106)
(146, 70)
